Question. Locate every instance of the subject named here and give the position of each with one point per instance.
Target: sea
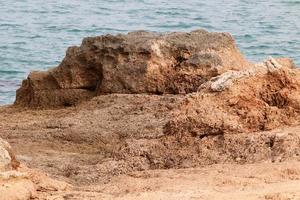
(34, 34)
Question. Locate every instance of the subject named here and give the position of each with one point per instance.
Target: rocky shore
(122, 108)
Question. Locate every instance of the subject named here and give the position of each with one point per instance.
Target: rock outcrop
(261, 98)
(139, 62)
(219, 91)
(148, 101)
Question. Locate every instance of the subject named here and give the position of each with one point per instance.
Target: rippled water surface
(34, 34)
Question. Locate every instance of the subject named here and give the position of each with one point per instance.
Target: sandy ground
(280, 181)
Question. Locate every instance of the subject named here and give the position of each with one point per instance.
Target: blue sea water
(34, 34)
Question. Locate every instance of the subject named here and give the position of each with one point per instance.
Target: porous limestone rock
(262, 98)
(225, 80)
(139, 62)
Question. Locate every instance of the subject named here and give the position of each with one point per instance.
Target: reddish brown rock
(139, 62)
(261, 98)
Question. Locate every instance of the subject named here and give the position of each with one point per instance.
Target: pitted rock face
(139, 62)
(261, 98)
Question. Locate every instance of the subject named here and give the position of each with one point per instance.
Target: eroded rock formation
(158, 101)
(261, 98)
(139, 62)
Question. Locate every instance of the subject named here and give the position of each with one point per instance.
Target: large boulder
(139, 62)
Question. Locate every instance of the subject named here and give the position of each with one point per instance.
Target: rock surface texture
(149, 101)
